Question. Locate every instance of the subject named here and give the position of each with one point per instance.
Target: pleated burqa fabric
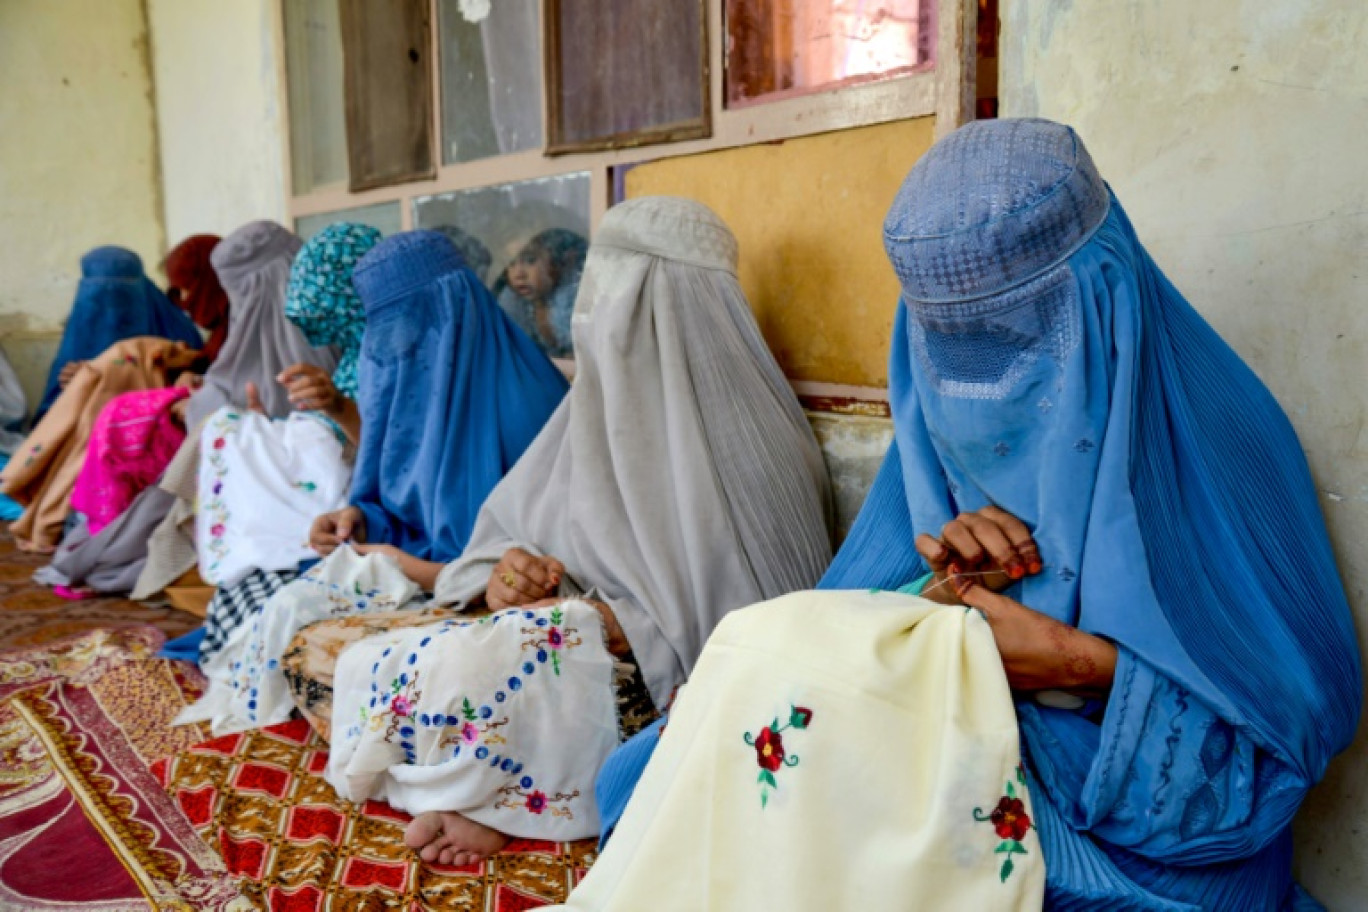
(253, 264)
(679, 479)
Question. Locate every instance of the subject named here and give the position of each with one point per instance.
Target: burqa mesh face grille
(982, 349)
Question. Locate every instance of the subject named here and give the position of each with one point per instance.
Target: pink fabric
(134, 438)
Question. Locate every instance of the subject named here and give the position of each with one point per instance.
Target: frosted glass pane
(491, 78)
(791, 47)
(526, 241)
(313, 65)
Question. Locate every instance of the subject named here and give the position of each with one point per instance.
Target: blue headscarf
(1042, 363)
(114, 301)
(452, 392)
(322, 301)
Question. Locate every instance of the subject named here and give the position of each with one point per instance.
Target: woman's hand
(1040, 653)
(520, 578)
(310, 388)
(990, 547)
(67, 372)
(333, 529)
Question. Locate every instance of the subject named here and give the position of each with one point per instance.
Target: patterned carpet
(104, 807)
(31, 615)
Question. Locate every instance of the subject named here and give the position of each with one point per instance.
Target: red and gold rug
(83, 823)
(261, 799)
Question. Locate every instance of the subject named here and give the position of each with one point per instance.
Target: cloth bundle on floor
(832, 750)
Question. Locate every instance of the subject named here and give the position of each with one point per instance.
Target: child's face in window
(530, 274)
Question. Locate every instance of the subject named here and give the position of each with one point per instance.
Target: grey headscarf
(679, 479)
(253, 265)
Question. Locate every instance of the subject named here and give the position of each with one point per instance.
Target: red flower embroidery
(536, 802)
(554, 638)
(769, 749)
(218, 443)
(216, 530)
(1011, 823)
(401, 706)
(800, 717)
(1010, 819)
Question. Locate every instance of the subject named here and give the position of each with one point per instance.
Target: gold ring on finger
(508, 579)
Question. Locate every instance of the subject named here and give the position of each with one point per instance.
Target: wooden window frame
(946, 92)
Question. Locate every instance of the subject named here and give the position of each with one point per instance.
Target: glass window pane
(387, 218)
(527, 241)
(794, 47)
(313, 66)
(491, 78)
(626, 72)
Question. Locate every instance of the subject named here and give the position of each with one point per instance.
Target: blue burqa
(1042, 363)
(452, 392)
(114, 301)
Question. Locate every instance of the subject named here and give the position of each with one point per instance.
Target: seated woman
(253, 266)
(44, 469)
(194, 287)
(538, 288)
(1079, 457)
(678, 481)
(262, 481)
(453, 394)
(114, 301)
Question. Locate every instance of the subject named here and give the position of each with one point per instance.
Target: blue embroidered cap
(993, 205)
(401, 263)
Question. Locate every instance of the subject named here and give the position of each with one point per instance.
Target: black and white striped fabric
(229, 608)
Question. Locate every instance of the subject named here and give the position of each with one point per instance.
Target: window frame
(947, 92)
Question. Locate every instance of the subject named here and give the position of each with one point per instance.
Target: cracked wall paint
(1234, 133)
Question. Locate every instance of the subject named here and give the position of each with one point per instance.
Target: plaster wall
(1234, 132)
(219, 114)
(808, 214)
(78, 162)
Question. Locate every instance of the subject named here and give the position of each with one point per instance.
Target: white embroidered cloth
(247, 688)
(506, 719)
(262, 482)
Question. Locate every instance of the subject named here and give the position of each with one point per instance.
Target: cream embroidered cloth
(832, 751)
(247, 688)
(506, 719)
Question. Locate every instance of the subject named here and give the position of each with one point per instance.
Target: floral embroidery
(1067, 575)
(216, 508)
(1045, 404)
(1084, 445)
(1002, 449)
(1010, 821)
(535, 801)
(769, 749)
(550, 637)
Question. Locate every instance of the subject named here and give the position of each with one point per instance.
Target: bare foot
(447, 838)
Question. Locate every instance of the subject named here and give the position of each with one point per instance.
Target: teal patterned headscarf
(321, 300)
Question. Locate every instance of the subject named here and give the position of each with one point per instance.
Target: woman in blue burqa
(1079, 456)
(114, 301)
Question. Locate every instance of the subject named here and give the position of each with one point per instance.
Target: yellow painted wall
(78, 161)
(809, 217)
